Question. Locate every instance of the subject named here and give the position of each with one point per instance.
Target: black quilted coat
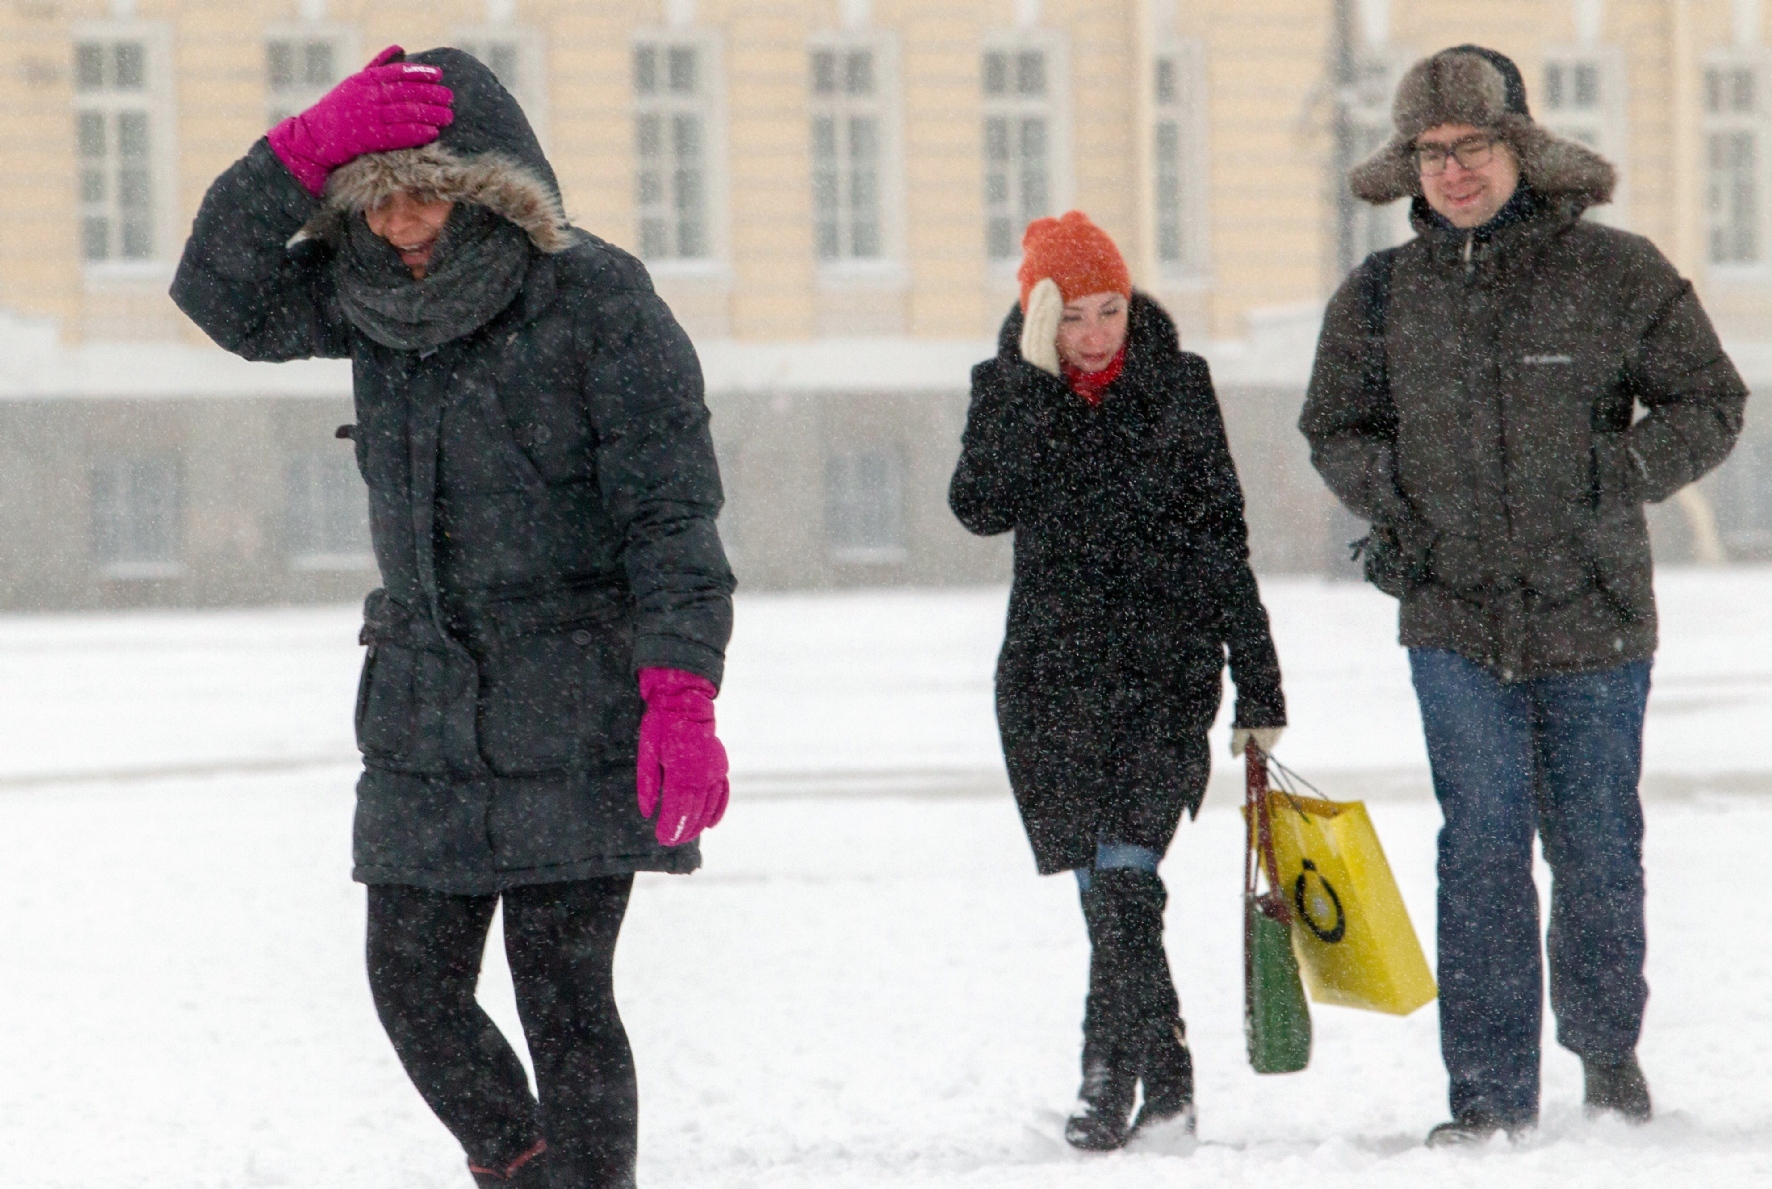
(1131, 579)
(542, 498)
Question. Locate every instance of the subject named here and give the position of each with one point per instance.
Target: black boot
(1168, 1077)
(1474, 1127)
(1101, 1121)
(1617, 1087)
(1165, 1065)
(528, 1171)
(1104, 1103)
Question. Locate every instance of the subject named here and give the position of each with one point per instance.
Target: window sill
(142, 571)
(127, 274)
(311, 563)
(708, 272)
(1174, 279)
(889, 275)
(886, 555)
(1743, 275)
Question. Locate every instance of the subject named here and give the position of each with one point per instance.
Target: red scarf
(1091, 385)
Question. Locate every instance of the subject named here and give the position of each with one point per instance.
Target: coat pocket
(399, 714)
(1393, 559)
(1623, 567)
(399, 693)
(1559, 571)
(558, 699)
(1617, 483)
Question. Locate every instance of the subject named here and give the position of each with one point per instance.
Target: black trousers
(424, 963)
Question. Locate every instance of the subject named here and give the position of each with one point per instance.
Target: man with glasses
(1499, 397)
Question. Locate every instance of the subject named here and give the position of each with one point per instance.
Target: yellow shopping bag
(1355, 945)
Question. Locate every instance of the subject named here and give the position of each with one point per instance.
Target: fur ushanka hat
(1468, 84)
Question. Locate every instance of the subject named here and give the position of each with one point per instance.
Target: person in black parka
(1098, 442)
(535, 708)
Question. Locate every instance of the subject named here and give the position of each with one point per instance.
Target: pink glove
(682, 766)
(379, 108)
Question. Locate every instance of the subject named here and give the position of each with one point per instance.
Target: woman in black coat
(1098, 442)
(535, 713)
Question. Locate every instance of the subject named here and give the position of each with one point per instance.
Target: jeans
(1123, 856)
(1558, 757)
(424, 962)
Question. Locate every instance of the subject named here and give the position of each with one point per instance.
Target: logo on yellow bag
(1304, 904)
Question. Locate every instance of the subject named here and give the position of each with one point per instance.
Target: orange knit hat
(1079, 257)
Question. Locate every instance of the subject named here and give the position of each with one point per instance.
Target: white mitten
(1266, 739)
(1039, 326)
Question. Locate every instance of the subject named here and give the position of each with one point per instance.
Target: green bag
(1276, 1018)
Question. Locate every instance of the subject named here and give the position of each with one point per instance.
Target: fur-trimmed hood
(489, 156)
(1469, 85)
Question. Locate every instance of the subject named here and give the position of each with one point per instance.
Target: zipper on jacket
(1470, 243)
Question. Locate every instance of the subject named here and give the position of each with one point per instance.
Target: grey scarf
(475, 271)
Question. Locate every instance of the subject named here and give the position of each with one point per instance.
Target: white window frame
(138, 568)
(317, 485)
(843, 496)
(709, 102)
(1753, 122)
(886, 107)
(1181, 120)
(1054, 106)
(1369, 111)
(156, 101)
(529, 48)
(1603, 126)
(298, 97)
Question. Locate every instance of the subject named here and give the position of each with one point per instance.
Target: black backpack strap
(1380, 552)
(1375, 289)
(1375, 303)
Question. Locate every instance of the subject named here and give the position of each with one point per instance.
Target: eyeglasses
(1473, 152)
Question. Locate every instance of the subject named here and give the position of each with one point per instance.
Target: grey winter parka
(1508, 458)
(542, 494)
(1131, 580)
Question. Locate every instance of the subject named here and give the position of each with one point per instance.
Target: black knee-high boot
(1110, 1070)
(1159, 1045)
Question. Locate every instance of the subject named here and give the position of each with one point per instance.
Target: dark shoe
(1474, 1127)
(1104, 1107)
(1168, 1076)
(1617, 1087)
(528, 1171)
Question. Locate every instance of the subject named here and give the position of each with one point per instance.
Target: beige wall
(37, 273)
(1267, 119)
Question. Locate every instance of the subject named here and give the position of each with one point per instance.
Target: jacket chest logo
(1547, 360)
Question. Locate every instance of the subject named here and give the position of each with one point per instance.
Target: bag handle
(1259, 836)
(1285, 780)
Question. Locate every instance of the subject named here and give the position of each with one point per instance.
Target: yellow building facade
(803, 169)
(830, 194)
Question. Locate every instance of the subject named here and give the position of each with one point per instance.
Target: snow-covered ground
(866, 986)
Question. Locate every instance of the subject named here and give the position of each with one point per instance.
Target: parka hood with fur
(489, 156)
